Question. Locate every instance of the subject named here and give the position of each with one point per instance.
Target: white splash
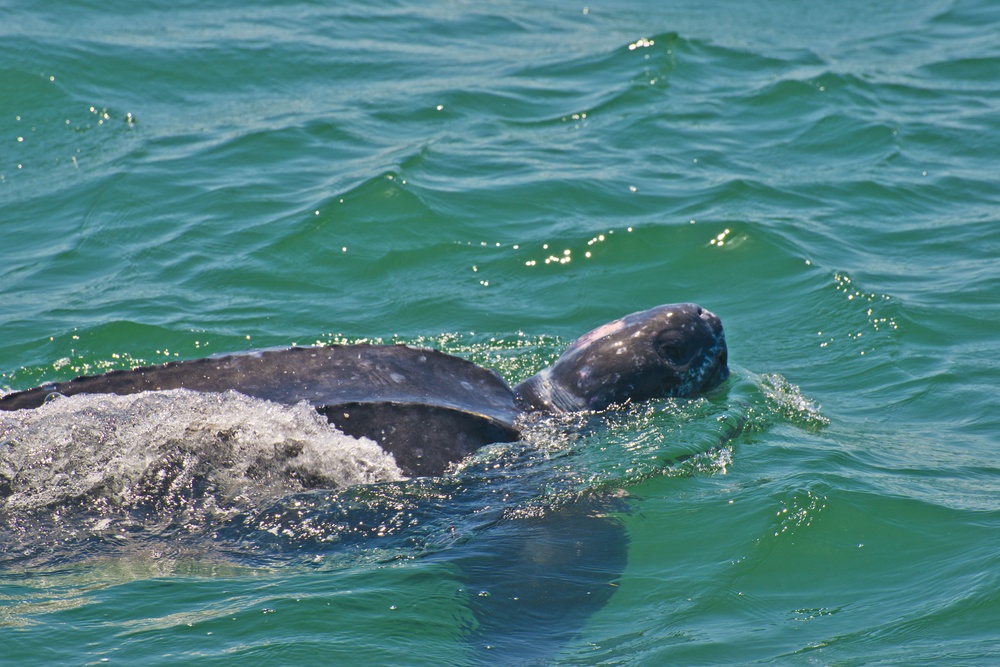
(120, 451)
(789, 401)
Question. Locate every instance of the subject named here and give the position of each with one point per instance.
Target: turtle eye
(673, 348)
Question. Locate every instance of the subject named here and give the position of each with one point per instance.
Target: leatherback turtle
(430, 409)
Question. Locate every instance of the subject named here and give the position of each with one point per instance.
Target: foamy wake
(789, 401)
(158, 449)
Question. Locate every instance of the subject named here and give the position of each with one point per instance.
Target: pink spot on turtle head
(595, 335)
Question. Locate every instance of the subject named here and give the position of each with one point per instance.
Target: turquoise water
(182, 179)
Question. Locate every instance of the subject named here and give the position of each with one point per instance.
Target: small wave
(788, 401)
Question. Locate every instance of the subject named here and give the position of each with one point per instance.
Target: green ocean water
(184, 179)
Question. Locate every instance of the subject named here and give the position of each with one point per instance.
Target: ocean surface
(181, 179)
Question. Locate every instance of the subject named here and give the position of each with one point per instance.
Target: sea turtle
(430, 409)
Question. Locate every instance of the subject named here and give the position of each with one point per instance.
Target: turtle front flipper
(425, 439)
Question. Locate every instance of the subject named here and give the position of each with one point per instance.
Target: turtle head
(672, 350)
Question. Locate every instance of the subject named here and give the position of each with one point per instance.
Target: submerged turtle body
(430, 409)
